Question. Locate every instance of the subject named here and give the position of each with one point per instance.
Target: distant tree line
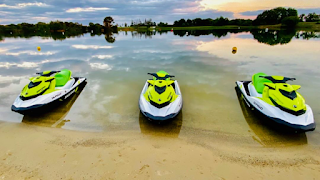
(221, 21)
(53, 26)
(311, 17)
(59, 26)
(285, 16)
(146, 22)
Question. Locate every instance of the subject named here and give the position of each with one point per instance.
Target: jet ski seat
(258, 82)
(62, 77)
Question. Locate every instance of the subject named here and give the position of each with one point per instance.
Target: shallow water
(203, 64)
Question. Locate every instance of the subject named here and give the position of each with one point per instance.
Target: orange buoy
(39, 48)
(234, 50)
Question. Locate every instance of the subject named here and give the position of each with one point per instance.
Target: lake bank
(48, 153)
(305, 26)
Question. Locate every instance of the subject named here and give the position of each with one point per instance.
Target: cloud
(32, 53)
(300, 11)
(96, 10)
(100, 66)
(80, 46)
(251, 13)
(22, 65)
(102, 56)
(122, 11)
(89, 9)
(22, 5)
(309, 10)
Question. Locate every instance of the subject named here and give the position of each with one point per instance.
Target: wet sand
(33, 152)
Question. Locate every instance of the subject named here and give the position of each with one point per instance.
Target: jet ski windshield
(160, 90)
(34, 84)
(291, 95)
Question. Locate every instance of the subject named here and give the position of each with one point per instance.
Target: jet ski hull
(45, 102)
(301, 123)
(160, 114)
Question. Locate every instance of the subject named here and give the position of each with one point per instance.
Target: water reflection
(266, 133)
(307, 35)
(215, 32)
(109, 37)
(54, 117)
(270, 37)
(273, 37)
(170, 128)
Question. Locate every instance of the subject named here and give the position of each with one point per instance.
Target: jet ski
(161, 97)
(279, 101)
(48, 88)
(56, 117)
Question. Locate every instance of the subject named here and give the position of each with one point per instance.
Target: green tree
(312, 17)
(108, 22)
(189, 22)
(290, 21)
(302, 17)
(274, 16)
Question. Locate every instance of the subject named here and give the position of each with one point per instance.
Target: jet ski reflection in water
(161, 97)
(55, 117)
(268, 133)
(165, 129)
(45, 91)
(278, 101)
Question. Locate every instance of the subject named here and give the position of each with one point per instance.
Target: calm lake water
(202, 62)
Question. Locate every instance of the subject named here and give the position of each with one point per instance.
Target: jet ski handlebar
(284, 80)
(165, 77)
(46, 73)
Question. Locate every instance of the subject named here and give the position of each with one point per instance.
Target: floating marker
(234, 50)
(39, 48)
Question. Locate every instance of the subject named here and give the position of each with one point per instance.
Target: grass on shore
(184, 28)
(306, 26)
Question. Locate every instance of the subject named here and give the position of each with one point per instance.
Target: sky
(85, 11)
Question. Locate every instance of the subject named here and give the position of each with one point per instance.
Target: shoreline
(33, 152)
(304, 26)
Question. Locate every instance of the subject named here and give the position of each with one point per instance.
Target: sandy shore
(31, 152)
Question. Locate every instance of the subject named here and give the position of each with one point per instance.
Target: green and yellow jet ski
(48, 88)
(279, 101)
(161, 97)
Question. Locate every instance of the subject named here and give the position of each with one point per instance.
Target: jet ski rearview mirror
(277, 80)
(47, 73)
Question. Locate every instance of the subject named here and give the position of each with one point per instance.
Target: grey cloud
(300, 11)
(122, 11)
